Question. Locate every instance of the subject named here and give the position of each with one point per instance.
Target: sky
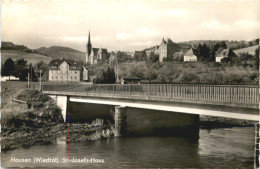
(126, 25)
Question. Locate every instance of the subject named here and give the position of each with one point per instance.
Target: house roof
(226, 53)
(102, 50)
(95, 50)
(167, 41)
(85, 67)
(73, 65)
(190, 52)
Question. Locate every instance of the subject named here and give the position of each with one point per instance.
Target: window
(71, 77)
(76, 72)
(75, 77)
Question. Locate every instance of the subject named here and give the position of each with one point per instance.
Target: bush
(190, 78)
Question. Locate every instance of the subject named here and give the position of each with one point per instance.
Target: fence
(256, 155)
(221, 93)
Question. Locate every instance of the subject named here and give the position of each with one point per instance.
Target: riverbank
(211, 122)
(40, 122)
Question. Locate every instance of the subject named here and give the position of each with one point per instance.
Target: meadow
(30, 57)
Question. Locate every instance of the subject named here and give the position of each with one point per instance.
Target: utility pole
(67, 73)
(28, 80)
(31, 73)
(40, 80)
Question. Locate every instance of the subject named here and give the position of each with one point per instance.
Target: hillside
(190, 72)
(250, 50)
(33, 58)
(57, 52)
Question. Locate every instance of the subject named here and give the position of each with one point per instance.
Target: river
(216, 148)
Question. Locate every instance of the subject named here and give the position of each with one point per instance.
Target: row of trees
(208, 53)
(20, 69)
(191, 72)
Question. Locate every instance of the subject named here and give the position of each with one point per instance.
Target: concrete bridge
(230, 101)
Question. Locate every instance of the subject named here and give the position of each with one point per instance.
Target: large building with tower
(165, 50)
(95, 55)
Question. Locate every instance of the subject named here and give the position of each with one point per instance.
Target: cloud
(138, 24)
(145, 32)
(143, 44)
(215, 25)
(173, 13)
(75, 38)
(246, 24)
(56, 18)
(123, 36)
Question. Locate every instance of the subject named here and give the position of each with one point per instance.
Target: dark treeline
(105, 76)
(12, 46)
(21, 68)
(230, 44)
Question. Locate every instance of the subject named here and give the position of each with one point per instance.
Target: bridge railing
(219, 93)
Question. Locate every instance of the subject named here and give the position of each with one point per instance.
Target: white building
(62, 70)
(225, 53)
(190, 56)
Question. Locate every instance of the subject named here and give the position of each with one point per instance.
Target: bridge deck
(241, 96)
(209, 110)
(239, 102)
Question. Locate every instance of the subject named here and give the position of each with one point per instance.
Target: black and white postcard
(129, 84)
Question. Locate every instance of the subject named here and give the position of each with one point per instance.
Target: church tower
(88, 49)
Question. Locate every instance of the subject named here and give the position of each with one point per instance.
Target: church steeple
(88, 48)
(89, 42)
(89, 45)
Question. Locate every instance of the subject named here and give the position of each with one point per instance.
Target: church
(95, 55)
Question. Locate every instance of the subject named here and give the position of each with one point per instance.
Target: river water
(217, 148)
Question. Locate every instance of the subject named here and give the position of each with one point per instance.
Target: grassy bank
(33, 58)
(42, 123)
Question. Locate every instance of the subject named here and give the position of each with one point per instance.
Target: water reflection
(221, 148)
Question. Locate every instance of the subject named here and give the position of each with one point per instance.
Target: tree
(256, 63)
(203, 52)
(153, 58)
(106, 76)
(23, 74)
(8, 68)
(178, 56)
(223, 45)
(21, 69)
(213, 52)
(43, 67)
(33, 75)
(140, 56)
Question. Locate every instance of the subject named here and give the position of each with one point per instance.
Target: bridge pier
(120, 121)
(62, 102)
